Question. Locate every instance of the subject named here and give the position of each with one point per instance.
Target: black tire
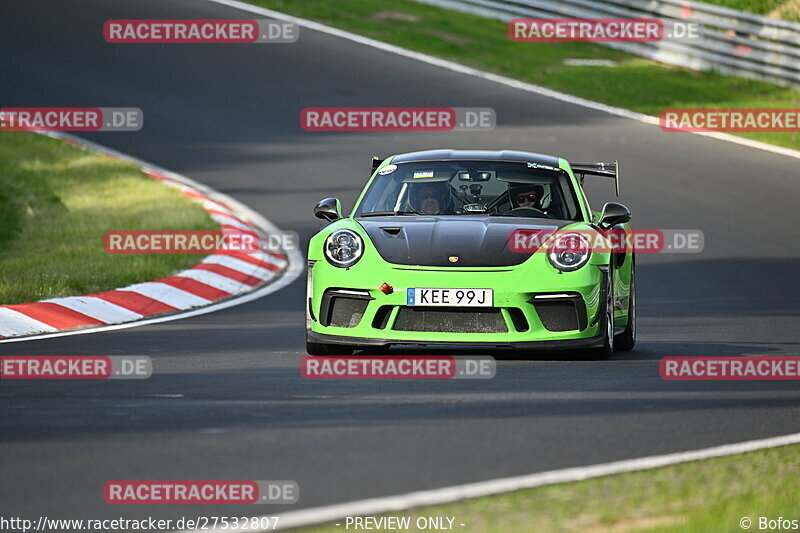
(316, 348)
(625, 341)
(607, 322)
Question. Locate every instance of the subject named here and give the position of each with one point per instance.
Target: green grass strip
(57, 202)
(760, 7)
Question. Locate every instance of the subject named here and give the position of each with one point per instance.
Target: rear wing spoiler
(606, 170)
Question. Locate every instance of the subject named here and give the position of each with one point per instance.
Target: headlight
(569, 251)
(343, 248)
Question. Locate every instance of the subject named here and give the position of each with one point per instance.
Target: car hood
(434, 240)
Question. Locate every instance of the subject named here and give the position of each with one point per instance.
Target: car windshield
(488, 188)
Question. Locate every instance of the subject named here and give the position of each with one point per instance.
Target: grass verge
(634, 83)
(57, 202)
(784, 9)
(699, 497)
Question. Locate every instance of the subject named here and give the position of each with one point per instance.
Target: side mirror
(376, 162)
(329, 209)
(613, 214)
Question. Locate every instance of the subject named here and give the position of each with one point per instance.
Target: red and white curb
(218, 281)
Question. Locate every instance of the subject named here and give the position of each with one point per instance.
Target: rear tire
(626, 340)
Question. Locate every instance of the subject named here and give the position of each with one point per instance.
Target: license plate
(450, 297)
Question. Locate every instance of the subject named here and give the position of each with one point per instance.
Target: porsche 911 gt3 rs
(429, 255)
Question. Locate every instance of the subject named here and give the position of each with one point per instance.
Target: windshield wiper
(544, 215)
(388, 213)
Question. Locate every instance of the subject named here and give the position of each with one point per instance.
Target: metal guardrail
(729, 41)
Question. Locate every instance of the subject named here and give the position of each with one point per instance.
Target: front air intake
(343, 308)
(565, 312)
(437, 320)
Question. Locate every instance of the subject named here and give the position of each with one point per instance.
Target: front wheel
(605, 351)
(626, 340)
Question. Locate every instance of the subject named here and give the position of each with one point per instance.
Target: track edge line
(426, 498)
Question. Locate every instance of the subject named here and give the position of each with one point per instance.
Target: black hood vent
(454, 241)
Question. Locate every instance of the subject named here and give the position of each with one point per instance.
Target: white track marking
(402, 502)
(261, 256)
(167, 294)
(529, 87)
(214, 205)
(97, 308)
(229, 221)
(14, 323)
(238, 265)
(212, 279)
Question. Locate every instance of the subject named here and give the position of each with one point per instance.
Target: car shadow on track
(645, 351)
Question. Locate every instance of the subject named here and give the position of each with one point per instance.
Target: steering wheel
(526, 212)
(494, 203)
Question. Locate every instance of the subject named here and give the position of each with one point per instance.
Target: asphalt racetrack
(227, 401)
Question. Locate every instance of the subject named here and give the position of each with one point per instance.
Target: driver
(431, 198)
(527, 196)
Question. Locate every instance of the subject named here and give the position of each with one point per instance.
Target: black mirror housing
(613, 214)
(329, 209)
(376, 162)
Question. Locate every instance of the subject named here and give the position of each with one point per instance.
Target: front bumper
(564, 344)
(518, 316)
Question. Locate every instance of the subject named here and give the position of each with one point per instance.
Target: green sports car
(472, 248)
